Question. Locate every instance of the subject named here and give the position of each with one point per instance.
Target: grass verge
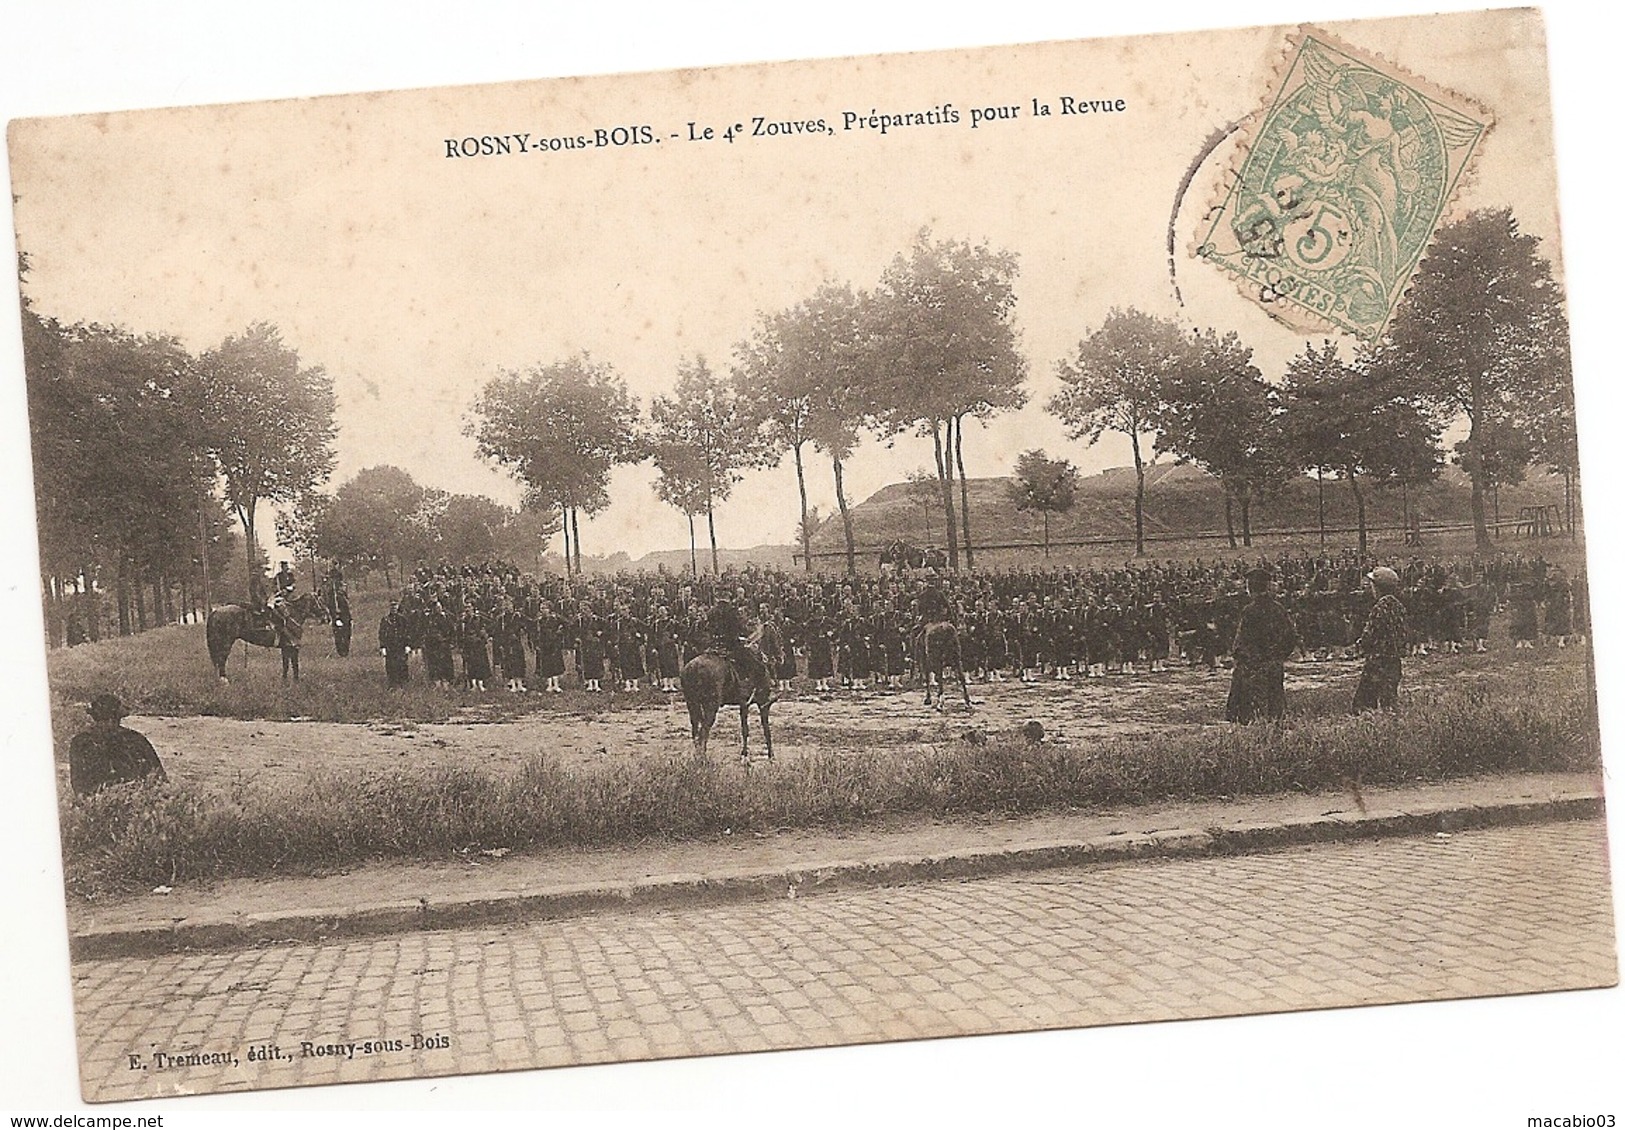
(138, 836)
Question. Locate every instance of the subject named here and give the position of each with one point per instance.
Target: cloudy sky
(413, 277)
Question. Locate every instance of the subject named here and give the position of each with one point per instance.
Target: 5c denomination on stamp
(1347, 172)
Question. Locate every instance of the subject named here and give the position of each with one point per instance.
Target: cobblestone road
(1499, 911)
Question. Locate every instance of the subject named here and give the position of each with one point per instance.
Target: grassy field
(1523, 717)
(167, 671)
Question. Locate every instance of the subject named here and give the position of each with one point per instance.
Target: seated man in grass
(107, 753)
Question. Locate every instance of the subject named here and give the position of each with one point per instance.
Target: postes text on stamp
(1349, 170)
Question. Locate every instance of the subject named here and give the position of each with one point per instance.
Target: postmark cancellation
(1346, 173)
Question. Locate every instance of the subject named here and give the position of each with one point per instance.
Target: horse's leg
(710, 720)
(744, 731)
(963, 689)
(767, 734)
(696, 726)
(295, 656)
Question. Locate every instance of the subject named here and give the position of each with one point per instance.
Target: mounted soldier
(730, 638)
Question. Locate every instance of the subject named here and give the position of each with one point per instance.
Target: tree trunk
(1495, 504)
(122, 595)
(806, 533)
(564, 524)
(256, 595)
(1481, 534)
(846, 518)
(1568, 502)
(575, 536)
(91, 601)
(1246, 517)
(54, 629)
(711, 525)
(1320, 492)
(203, 544)
(958, 433)
(140, 592)
(945, 480)
(1045, 513)
(160, 611)
(1230, 517)
(693, 550)
(1139, 497)
(1359, 509)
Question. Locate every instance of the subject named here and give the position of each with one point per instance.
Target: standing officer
(395, 644)
(1265, 638)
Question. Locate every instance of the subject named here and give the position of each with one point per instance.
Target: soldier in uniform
(1265, 638)
(395, 645)
(726, 627)
(336, 599)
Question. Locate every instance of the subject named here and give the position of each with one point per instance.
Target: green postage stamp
(1350, 169)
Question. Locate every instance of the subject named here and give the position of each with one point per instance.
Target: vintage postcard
(783, 556)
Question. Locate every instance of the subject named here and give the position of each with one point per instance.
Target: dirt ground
(213, 750)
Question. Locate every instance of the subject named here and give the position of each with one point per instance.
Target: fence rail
(1518, 526)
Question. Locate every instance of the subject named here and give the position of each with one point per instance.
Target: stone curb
(667, 892)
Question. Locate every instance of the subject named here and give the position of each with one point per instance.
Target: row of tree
(383, 521)
(1481, 338)
(144, 454)
(932, 345)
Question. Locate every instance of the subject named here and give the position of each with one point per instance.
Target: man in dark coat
(336, 599)
(1265, 638)
(726, 627)
(395, 644)
(107, 753)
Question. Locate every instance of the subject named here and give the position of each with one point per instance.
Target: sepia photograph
(637, 566)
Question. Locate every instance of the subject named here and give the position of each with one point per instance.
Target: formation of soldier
(471, 624)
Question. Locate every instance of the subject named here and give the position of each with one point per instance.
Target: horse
(229, 623)
(711, 681)
(939, 646)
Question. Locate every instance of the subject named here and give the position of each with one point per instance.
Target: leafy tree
(1357, 422)
(1116, 381)
(924, 492)
(704, 434)
(775, 383)
(299, 529)
(682, 483)
(122, 478)
(1049, 486)
(525, 534)
(1551, 427)
(468, 528)
(1218, 413)
(560, 429)
(269, 420)
(1482, 331)
(367, 524)
(946, 347)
